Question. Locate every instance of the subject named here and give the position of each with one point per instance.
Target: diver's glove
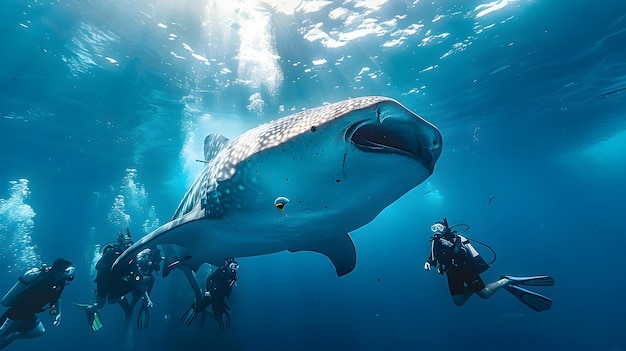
(427, 266)
(57, 319)
(147, 301)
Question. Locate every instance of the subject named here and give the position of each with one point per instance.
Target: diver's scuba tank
(22, 283)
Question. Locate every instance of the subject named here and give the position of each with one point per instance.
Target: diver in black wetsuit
(219, 286)
(453, 255)
(148, 261)
(112, 286)
(34, 290)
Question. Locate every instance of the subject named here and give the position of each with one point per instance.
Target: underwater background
(104, 106)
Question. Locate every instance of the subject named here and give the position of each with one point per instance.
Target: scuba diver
(112, 286)
(219, 286)
(34, 290)
(148, 262)
(455, 256)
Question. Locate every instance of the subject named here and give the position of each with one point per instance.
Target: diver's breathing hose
(487, 246)
(467, 228)
(432, 250)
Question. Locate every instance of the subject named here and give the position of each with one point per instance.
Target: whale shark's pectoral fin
(340, 250)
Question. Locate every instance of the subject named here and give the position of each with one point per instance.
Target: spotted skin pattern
(338, 165)
(230, 154)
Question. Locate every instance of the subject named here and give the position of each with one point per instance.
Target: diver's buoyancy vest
(478, 262)
(22, 283)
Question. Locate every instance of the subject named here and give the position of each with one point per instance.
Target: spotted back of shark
(301, 182)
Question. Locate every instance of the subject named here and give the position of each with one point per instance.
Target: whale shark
(298, 183)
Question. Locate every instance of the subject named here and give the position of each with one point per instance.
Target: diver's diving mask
(233, 266)
(438, 228)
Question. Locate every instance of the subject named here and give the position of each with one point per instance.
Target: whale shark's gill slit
(384, 138)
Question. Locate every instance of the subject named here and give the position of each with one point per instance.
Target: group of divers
(39, 289)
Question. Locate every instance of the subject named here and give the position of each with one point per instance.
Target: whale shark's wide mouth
(399, 137)
(384, 138)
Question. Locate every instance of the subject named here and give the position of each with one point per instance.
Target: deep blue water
(106, 98)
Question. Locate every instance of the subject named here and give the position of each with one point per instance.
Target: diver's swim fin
(537, 280)
(531, 299)
(143, 318)
(189, 316)
(7, 328)
(94, 320)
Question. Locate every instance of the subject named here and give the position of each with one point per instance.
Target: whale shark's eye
(314, 129)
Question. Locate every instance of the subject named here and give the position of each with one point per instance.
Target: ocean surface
(104, 106)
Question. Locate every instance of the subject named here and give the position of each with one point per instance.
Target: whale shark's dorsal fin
(339, 249)
(213, 143)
